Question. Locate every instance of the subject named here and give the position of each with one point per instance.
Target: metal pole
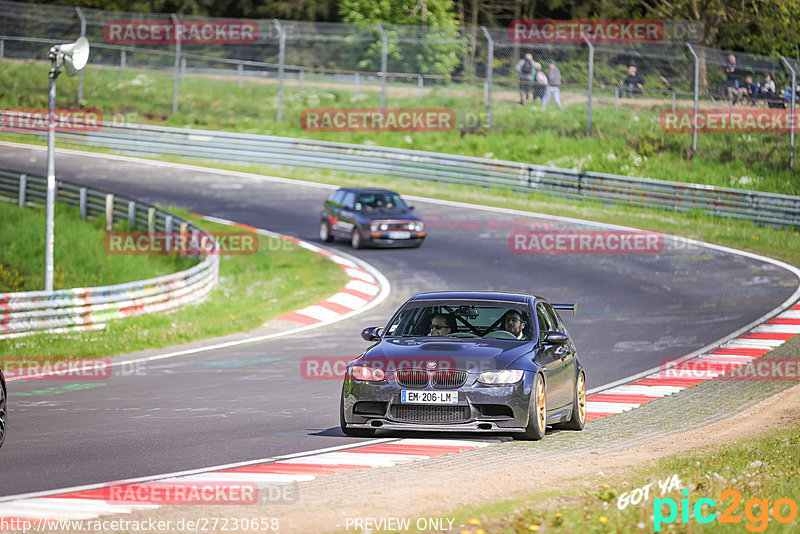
(282, 54)
(123, 59)
(489, 76)
(616, 98)
(176, 81)
(792, 112)
(80, 74)
(356, 83)
(239, 72)
(302, 78)
(49, 239)
(384, 63)
(696, 96)
(591, 79)
(420, 84)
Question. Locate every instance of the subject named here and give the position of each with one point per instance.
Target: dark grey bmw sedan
(467, 362)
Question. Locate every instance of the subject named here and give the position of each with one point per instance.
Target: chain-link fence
(407, 62)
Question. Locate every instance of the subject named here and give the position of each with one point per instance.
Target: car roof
(475, 295)
(366, 190)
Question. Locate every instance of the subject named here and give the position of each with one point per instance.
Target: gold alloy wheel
(581, 386)
(541, 405)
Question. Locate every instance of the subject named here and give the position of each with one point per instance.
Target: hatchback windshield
(460, 319)
(380, 202)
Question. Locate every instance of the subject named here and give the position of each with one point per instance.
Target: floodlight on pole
(72, 57)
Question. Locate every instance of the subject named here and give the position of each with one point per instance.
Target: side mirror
(553, 337)
(411, 208)
(372, 333)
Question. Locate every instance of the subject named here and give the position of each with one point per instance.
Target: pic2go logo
(756, 511)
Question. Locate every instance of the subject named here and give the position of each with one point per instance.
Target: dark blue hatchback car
(370, 217)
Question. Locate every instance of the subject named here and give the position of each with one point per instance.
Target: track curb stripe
(93, 503)
(749, 346)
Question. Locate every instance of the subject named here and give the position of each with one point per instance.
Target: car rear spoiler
(573, 307)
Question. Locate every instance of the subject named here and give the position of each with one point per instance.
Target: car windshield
(380, 202)
(462, 319)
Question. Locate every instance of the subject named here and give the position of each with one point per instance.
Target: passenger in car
(442, 324)
(512, 322)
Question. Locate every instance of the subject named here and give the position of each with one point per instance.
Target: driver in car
(512, 322)
(442, 324)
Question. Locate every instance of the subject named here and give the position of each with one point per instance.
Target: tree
(411, 26)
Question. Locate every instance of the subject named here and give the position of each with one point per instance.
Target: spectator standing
(539, 86)
(553, 86)
(526, 67)
(634, 83)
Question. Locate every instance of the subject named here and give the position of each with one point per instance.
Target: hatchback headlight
(506, 376)
(373, 227)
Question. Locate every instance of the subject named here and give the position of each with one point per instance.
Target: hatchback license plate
(428, 397)
(399, 235)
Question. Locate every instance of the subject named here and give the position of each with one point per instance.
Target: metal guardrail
(146, 140)
(89, 308)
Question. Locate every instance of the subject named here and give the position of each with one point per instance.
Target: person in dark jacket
(634, 83)
(526, 67)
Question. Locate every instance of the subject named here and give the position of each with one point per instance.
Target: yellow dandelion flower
(474, 521)
(533, 528)
(603, 519)
(480, 531)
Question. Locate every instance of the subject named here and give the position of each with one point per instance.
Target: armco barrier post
(82, 202)
(176, 81)
(239, 72)
(109, 211)
(489, 76)
(23, 186)
(151, 219)
(123, 58)
(281, 58)
(132, 214)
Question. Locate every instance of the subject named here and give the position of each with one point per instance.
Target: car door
(550, 358)
(567, 353)
(345, 216)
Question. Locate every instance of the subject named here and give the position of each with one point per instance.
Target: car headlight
(420, 227)
(384, 227)
(360, 372)
(373, 227)
(506, 376)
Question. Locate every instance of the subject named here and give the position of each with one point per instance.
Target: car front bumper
(480, 408)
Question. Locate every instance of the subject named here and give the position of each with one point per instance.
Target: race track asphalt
(250, 402)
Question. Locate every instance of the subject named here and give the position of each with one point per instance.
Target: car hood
(380, 215)
(472, 355)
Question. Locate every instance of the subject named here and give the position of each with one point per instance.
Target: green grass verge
(80, 259)
(628, 142)
(252, 289)
(761, 471)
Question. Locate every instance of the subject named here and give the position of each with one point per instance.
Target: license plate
(399, 235)
(428, 397)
